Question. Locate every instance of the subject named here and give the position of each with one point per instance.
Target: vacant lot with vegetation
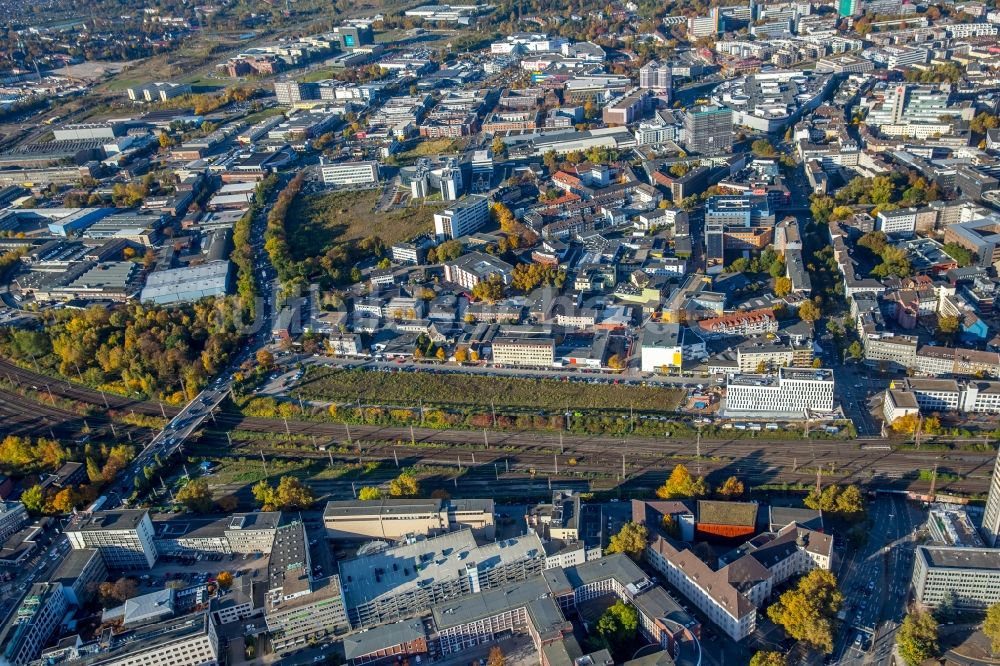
(471, 390)
(318, 222)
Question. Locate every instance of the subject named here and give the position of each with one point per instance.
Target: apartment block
(350, 173)
(463, 217)
(524, 351)
(13, 516)
(473, 267)
(31, 626)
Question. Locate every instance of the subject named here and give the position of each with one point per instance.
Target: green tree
(196, 496)
(917, 638)
(960, 254)
(681, 485)
(806, 612)
(856, 351)
(991, 627)
(618, 625)
(763, 148)
(766, 658)
(33, 499)
(631, 540)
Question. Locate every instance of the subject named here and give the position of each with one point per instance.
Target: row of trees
(404, 485)
(290, 493)
(846, 502)
(682, 485)
(243, 247)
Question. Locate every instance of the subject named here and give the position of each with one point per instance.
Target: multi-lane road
(875, 579)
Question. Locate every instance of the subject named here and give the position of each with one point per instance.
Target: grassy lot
(431, 147)
(471, 390)
(261, 115)
(317, 222)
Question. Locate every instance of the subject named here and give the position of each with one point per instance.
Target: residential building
(124, 537)
(753, 322)
(464, 217)
(991, 515)
(790, 391)
(656, 76)
(391, 643)
(350, 173)
(472, 268)
(708, 129)
(394, 519)
(409, 578)
(967, 577)
(704, 26)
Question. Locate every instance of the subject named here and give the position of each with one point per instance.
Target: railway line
(649, 459)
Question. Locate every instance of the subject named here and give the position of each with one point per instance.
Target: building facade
(125, 538)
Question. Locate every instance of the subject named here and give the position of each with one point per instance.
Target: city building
(394, 519)
(473, 267)
(708, 129)
(189, 283)
(300, 607)
(704, 26)
(991, 515)
(463, 217)
(125, 538)
(656, 76)
(666, 346)
(524, 351)
(968, 578)
(158, 92)
(791, 392)
(243, 533)
(31, 625)
(753, 322)
(350, 173)
(13, 516)
(409, 578)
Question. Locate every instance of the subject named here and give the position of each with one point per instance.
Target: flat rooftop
(125, 519)
(950, 557)
(427, 561)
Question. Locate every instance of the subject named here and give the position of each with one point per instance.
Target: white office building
(991, 517)
(463, 217)
(970, 576)
(900, 223)
(13, 517)
(792, 391)
(124, 537)
(350, 173)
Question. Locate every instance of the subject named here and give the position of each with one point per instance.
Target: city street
(875, 581)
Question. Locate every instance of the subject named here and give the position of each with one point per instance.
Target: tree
(917, 638)
(228, 503)
(765, 658)
(782, 287)
(906, 424)
(763, 148)
(118, 592)
(225, 580)
(290, 493)
(615, 362)
(368, 493)
(196, 496)
(806, 612)
(631, 540)
(404, 485)
(960, 254)
(441, 354)
(461, 354)
(33, 499)
(856, 351)
(496, 657)
(489, 290)
(847, 501)
(809, 311)
(265, 359)
(991, 627)
(499, 147)
(731, 488)
(65, 500)
(618, 625)
(681, 485)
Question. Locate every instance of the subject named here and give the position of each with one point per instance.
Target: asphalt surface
(875, 580)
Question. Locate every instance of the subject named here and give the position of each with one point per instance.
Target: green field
(318, 222)
(475, 391)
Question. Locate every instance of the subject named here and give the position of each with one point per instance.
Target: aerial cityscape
(583, 333)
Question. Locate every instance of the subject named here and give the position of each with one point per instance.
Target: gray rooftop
(960, 558)
(378, 638)
(125, 519)
(426, 561)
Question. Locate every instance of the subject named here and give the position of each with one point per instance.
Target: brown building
(725, 520)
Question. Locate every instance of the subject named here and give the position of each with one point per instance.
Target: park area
(319, 222)
(391, 388)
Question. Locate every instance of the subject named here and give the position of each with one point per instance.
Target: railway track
(761, 460)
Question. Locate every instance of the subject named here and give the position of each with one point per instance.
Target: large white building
(13, 516)
(991, 517)
(970, 576)
(350, 173)
(32, 625)
(792, 391)
(666, 346)
(463, 217)
(124, 537)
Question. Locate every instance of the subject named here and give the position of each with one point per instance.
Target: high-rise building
(463, 217)
(708, 129)
(124, 537)
(656, 76)
(991, 517)
(704, 26)
(849, 7)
